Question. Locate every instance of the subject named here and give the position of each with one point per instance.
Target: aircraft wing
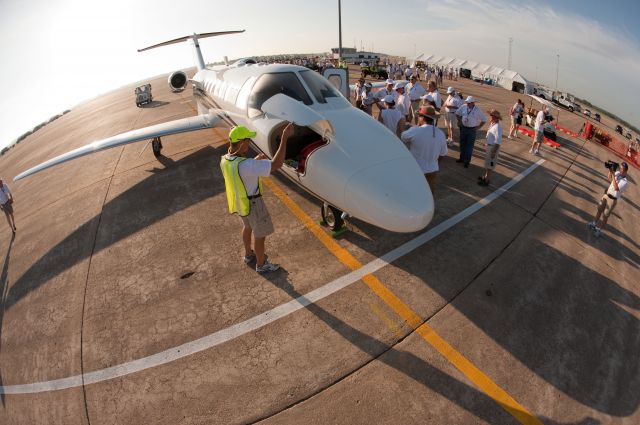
(172, 127)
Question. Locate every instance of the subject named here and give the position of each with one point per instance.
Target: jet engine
(178, 81)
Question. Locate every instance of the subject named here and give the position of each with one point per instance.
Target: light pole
(339, 32)
(557, 71)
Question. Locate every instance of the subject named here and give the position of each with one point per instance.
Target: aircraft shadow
(460, 393)
(158, 196)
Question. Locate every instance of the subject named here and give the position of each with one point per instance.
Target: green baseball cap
(240, 133)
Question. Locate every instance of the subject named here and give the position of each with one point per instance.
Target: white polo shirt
(540, 119)
(403, 104)
(452, 103)
(494, 134)
(384, 92)
(437, 99)
(391, 118)
(622, 185)
(414, 91)
(426, 143)
(471, 117)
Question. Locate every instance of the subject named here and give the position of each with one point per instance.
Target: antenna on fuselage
(196, 46)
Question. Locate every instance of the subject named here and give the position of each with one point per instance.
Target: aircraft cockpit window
(319, 86)
(269, 85)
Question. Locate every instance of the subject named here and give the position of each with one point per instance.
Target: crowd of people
(411, 112)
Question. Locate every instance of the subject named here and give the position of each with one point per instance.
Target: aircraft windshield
(319, 86)
(269, 85)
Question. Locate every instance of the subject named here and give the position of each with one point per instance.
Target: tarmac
(125, 299)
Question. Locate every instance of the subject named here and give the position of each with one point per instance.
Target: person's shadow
(4, 286)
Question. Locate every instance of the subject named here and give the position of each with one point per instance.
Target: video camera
(611, 165)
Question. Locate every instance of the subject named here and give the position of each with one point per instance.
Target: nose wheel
(332, 218)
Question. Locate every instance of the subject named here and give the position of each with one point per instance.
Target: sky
(56, 54)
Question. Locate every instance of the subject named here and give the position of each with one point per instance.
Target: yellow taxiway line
(475, 375)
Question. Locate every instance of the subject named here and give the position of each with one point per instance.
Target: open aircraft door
(339, 77)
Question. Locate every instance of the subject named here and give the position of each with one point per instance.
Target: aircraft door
(339, 77)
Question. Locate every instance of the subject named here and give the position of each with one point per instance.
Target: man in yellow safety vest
(244, 191)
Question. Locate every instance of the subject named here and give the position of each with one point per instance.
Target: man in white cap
(541, 119)
(244, 191)
(470, 119)
(426, 143)
(387, 91)
(368, 99)
(391, 117)
(414, 90)
(403, 103)
(451, 105)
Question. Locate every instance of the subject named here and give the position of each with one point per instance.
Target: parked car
(629, 135)
(619, 129)
(596, 117)
(587, 112)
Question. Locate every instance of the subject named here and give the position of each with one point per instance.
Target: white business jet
(349, 161)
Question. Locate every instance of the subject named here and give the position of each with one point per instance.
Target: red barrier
(532, 133)
(627, 151)
(567, 131)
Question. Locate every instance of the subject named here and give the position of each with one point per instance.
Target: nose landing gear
(333, 218)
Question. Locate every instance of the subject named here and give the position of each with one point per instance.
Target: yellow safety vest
(237, 197)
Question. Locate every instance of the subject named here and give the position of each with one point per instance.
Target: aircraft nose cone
(393, 195)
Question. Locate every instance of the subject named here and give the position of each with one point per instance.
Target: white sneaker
(537, 152)
(509, 137)
(267, 267)
(591, 225)
(597, 232)
(531, 150)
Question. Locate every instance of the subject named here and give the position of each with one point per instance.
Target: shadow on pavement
(180, 185)
(4, 285)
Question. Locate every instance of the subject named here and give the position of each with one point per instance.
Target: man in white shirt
(6, 203)
(427, 144)
(415, 91)
(435, 94)
(493, 142)
(470, 119)
(387, 91)
(541, 118)
(244, 191)
(368, 99)
(391, 117)
(610, 198)
(403, 103)
(451, 105)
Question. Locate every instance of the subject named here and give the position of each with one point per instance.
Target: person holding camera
(610, 198)
(6, 203)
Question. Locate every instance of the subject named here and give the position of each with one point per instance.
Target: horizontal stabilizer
(172, 127)
(185, 38)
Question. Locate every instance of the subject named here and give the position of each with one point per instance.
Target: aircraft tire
(332, 217)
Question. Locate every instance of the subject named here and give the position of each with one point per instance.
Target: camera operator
(610, 198)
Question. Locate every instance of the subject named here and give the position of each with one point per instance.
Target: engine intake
(178, 81)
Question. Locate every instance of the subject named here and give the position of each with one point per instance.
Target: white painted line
(267, 317)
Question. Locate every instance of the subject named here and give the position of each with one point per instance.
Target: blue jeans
(467, 140)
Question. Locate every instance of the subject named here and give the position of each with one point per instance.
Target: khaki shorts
(450, 119)
(539, 137)
(488, 160)
(606, 204)
(258, 219)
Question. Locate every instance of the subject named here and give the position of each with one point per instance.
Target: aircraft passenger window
(319, 86)
(269, 85)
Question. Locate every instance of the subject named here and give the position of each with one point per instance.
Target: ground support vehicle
(143, 95)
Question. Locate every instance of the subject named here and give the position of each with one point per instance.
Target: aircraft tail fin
(196, 46)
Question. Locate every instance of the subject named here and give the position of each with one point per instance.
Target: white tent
(505, 78)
